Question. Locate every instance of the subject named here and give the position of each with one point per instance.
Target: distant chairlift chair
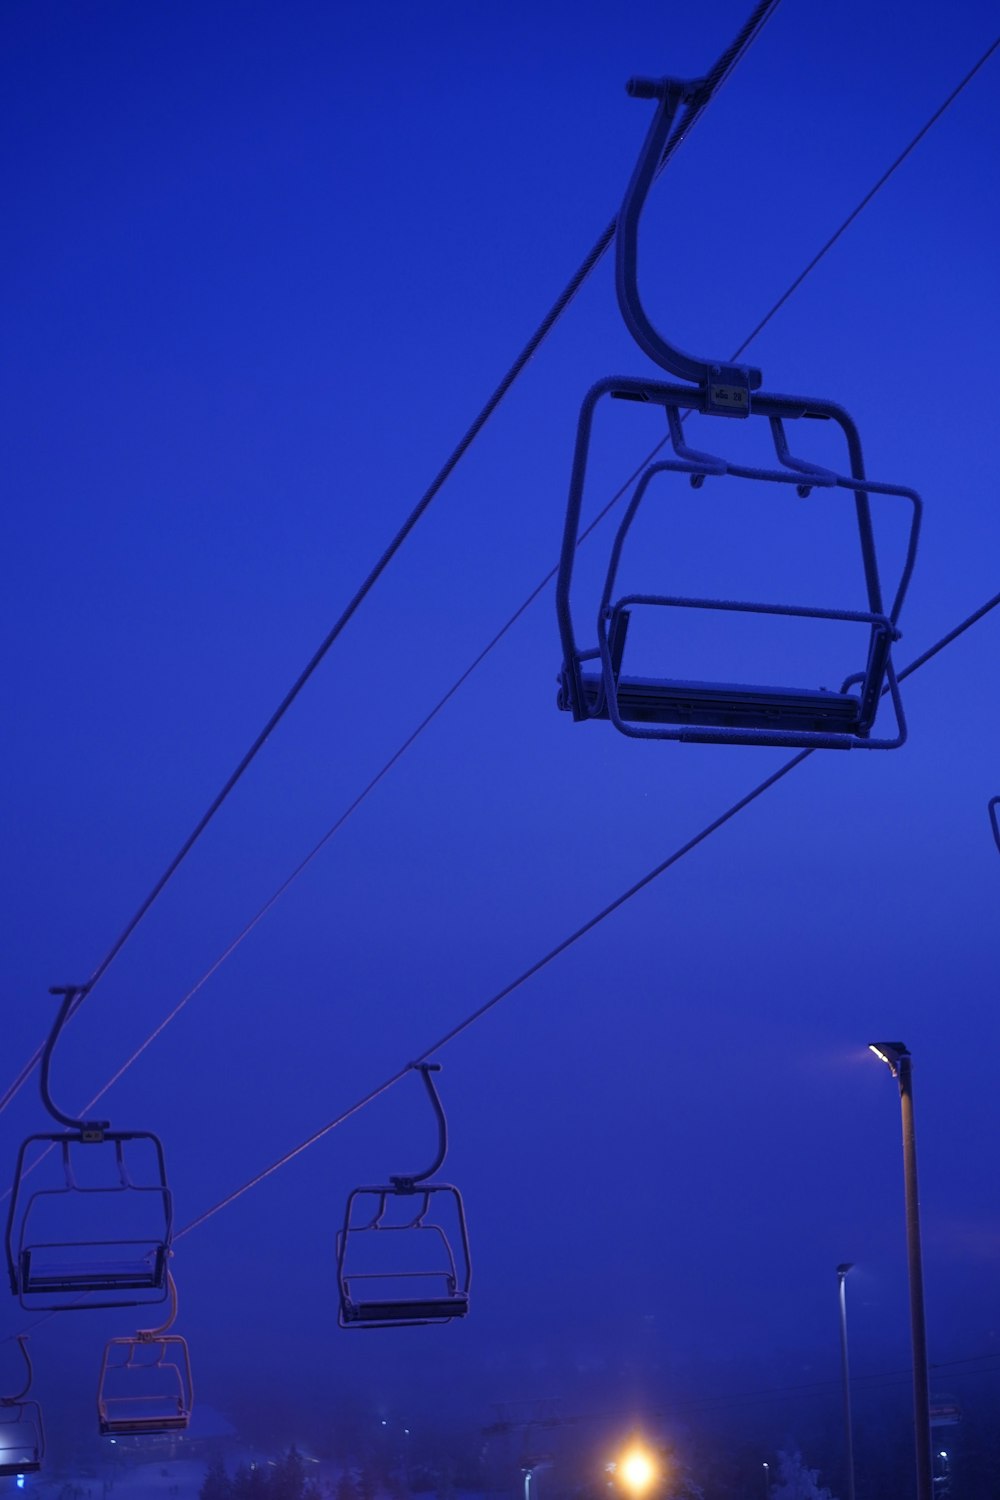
(145, 1386)
(593, 683)
(403, 1271)
(22, 1434)
(54, 1260)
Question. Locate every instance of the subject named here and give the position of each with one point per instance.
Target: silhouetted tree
(346, 1488)
(288, 1478)
(217, 1484)
(796, 1482)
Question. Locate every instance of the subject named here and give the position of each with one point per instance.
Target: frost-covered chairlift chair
(424, 1279)
(593, 682)
(56, 1260)
(22, 1433)
(145, 1387)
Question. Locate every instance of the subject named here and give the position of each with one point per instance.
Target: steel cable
(461, 1026)
(709, 86)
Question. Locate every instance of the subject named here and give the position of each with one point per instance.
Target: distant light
(20, 1481)
(407, 1431)
(942, 1454)
(114, 1440)
(637, 1470)
(881, 1055)
(384, 1422)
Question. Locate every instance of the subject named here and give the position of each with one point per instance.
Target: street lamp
(767, 1481)
(842, 1271)
(897, 1058)
(636, 1470)
(531, 1467)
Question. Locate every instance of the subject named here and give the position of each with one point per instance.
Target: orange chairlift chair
(145, 1386)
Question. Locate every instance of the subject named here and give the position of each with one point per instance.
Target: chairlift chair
(145, 1387)
(403, 1272)
(122, 1261)
(593, 682)
(22, 1434)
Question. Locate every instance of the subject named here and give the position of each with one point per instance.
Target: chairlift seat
(143, 1273)
(145, 1385)
(660, 700)
(126, 1268)
(441, 1290)
(11, 1466)
(407, 1310)
(143, 1426)
(727, 711)
(22, 1441)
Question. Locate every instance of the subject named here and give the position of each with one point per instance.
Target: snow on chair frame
(145, 1387)
(421, 1279)
(22, 1433)
(726, 712)
(83, 1244)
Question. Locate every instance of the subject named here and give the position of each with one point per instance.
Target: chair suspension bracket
(725, 387)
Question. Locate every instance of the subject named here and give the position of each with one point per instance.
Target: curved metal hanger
(726, 386)
(89, 1128)
(150, 1335)
(994, 812)
(22, 1341)
(407, 1182)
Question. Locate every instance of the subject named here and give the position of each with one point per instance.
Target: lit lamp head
(891, 1053)
(637, 1470)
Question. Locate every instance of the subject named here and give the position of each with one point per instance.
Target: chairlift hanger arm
(726, 386)
(409, 1180)
(150, 1335)
(22, 1342)
(70, 994)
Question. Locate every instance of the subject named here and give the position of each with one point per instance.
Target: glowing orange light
(637, 1470)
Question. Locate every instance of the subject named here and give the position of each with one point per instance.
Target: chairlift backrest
(96, 1243)
(400, 1272)
(145, 1386)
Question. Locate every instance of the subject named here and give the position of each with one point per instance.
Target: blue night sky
(262, 266)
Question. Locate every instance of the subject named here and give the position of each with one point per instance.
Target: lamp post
(767, 1481)
(842, 1271)
(897, 1058)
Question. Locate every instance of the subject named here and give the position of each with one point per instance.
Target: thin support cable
(459, 682)
(588, 926)
(710, 86)
(870, 195)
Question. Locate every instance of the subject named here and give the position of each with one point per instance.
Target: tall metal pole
(842, 1271)
(918, 1331)
(897, 1057)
